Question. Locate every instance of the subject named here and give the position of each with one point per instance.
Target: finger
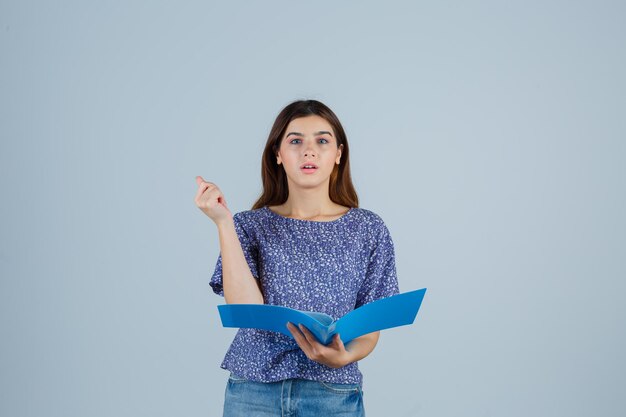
(203, 187)
(338, 343)
(201, 182)
(206, 185)
(310, 337)
(201, 190)
(299, 337)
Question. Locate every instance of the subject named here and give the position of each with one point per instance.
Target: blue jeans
(291, 397)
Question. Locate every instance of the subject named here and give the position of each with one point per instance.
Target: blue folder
(394, 311)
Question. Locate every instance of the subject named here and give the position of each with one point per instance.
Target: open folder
(385, 313)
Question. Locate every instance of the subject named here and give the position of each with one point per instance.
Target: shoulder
(368, 217)
(249, 219)
(248, 214)
(372, 224)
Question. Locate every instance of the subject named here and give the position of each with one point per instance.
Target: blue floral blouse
(331, 267)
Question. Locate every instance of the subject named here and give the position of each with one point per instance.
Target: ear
(278, 160)
(339, 151)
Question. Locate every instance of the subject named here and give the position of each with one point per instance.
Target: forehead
(309, 124)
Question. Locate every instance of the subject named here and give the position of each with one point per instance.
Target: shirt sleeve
(250, 252)
(381, 280)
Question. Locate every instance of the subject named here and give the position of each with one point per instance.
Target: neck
(309, 203)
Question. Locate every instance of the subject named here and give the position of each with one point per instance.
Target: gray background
(488, 135)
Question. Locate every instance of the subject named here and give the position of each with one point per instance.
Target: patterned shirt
(331, 267)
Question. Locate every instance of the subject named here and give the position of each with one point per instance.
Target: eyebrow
(321, 132)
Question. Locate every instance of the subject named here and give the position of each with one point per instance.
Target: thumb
(337, 342)
(199, 179)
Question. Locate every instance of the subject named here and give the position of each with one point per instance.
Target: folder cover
(385, 313)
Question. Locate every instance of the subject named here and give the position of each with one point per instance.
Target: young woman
(307, 245)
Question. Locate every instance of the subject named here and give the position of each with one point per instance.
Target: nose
(309, 152)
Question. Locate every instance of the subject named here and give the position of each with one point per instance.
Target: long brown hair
(275, 186)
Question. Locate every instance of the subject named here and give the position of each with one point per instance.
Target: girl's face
(308, 141)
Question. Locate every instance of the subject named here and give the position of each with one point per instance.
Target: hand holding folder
(394, 311)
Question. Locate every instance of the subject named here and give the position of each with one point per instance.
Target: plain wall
(489, 136)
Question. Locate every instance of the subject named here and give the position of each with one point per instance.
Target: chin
(307, 184)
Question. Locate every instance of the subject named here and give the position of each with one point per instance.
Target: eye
(292, 140)
(325, 140)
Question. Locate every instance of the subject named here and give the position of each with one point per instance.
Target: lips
(308, 165)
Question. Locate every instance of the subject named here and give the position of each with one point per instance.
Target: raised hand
(211, 201)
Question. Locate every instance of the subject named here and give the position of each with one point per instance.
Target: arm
(335, 355)
(240, 287)
(238, 283)
(362, 346)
